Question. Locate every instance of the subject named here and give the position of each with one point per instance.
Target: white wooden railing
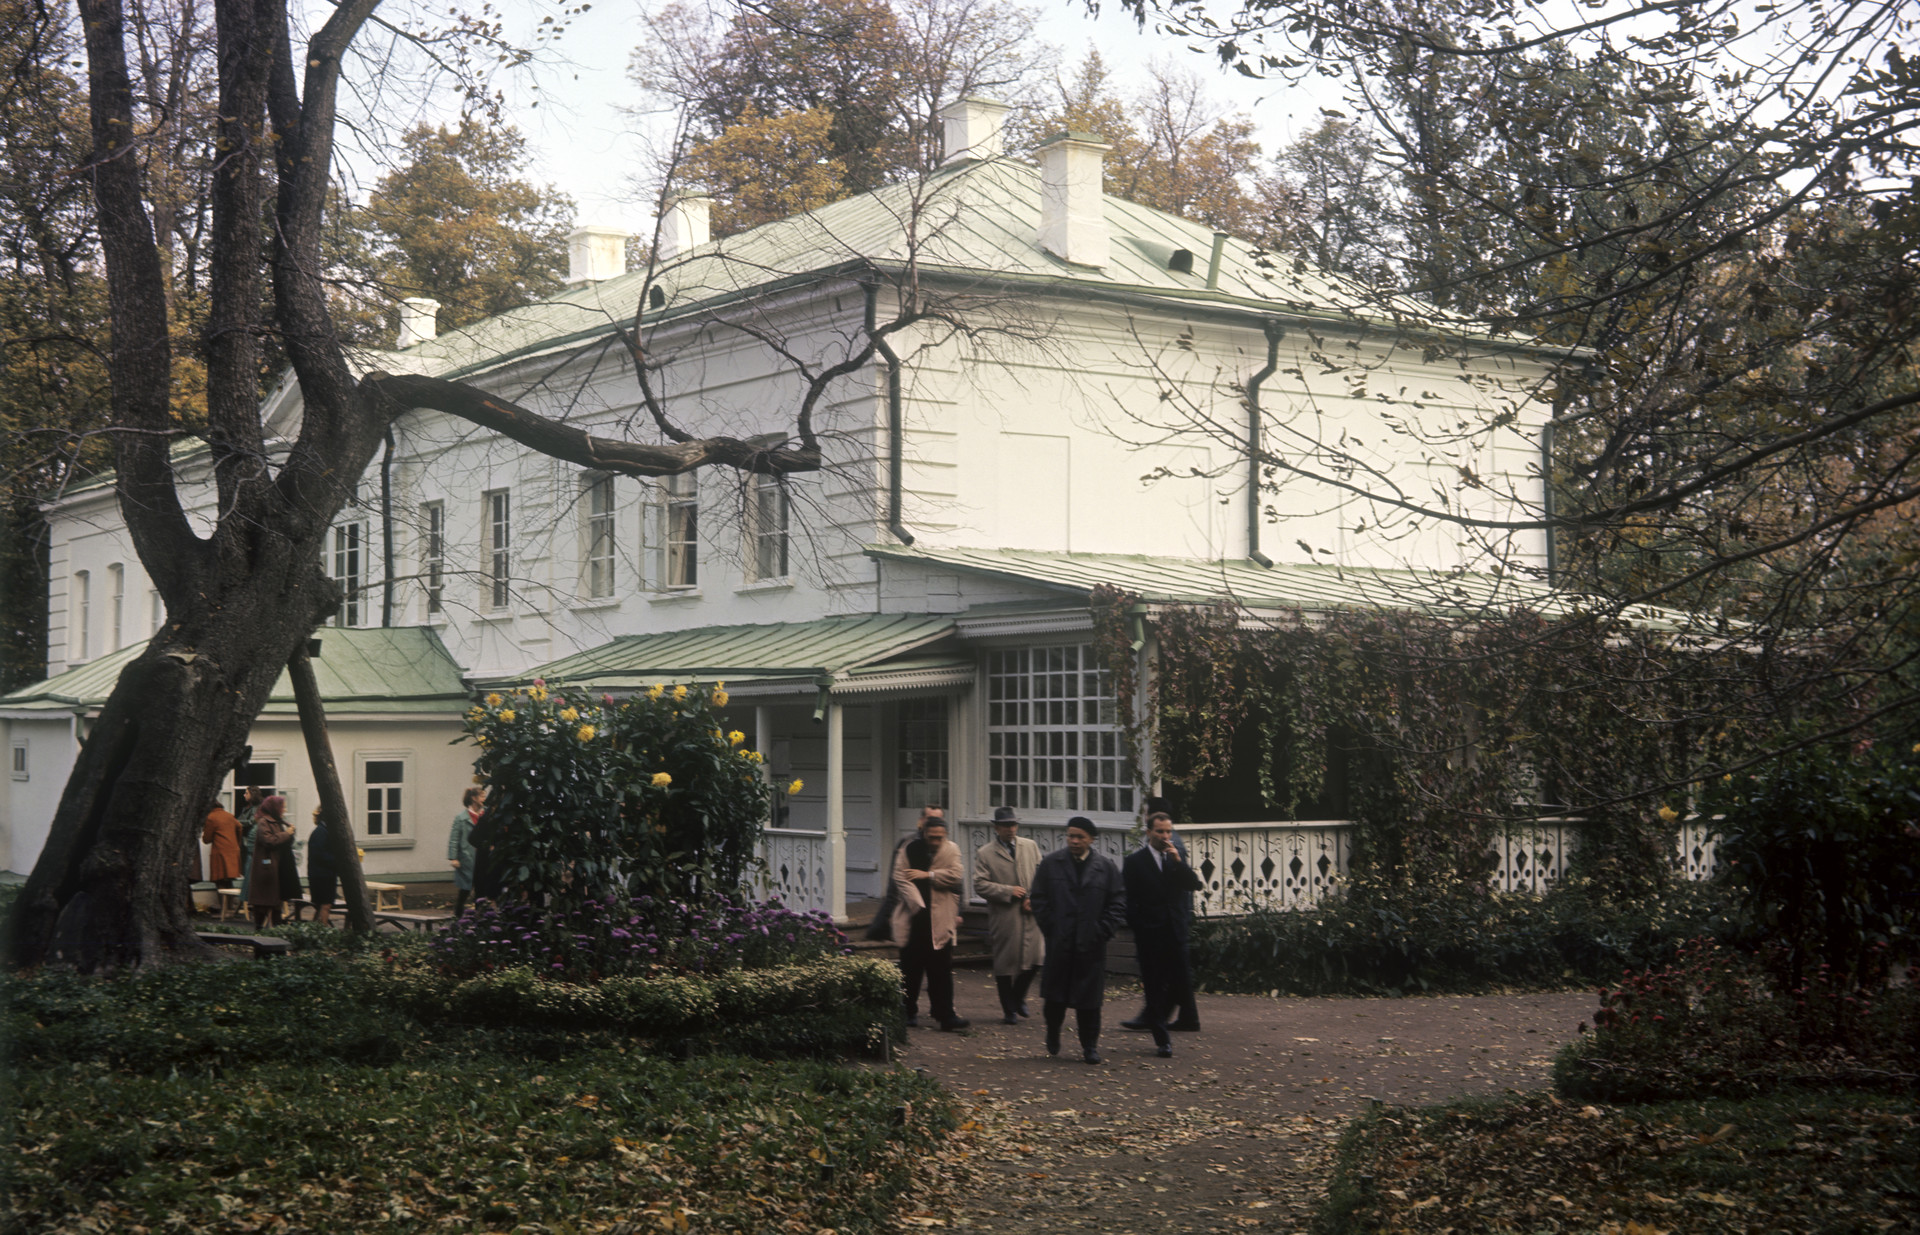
(1245, 866)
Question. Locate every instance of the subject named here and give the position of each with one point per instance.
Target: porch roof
(392, 669)
(1179, 580)
(837, 651)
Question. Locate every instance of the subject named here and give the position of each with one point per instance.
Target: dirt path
(1234, 1132)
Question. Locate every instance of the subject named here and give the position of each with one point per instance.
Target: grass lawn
(1794, 1161)
(268, 1096)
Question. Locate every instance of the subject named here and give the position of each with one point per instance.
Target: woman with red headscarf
(272, 850)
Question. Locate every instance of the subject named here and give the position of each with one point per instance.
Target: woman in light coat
(1003, 871)
(926, 921)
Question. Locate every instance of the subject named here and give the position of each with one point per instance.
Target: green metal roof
(396, 669)
(969, 221)
(803, 651)
(1280, 586)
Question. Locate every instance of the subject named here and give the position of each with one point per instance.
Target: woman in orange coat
(222, 836)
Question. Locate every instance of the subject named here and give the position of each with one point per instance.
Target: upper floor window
(680, 531)
(767, 528)
(433, 553)
(1053, 735)
(599, 535)
(116, 605)
(80, 614)
(499, 548)
(347, 568)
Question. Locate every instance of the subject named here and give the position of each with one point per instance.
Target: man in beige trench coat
(1003, 873)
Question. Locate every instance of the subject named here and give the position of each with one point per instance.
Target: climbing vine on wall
(1437, 733)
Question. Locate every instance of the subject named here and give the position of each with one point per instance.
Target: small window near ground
(20, 761)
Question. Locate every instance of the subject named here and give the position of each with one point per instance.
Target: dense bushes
(647, 935)
(1452, 936)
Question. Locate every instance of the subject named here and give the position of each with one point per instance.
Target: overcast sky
(585, 145)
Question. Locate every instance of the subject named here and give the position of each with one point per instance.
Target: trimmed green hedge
(1453, 937)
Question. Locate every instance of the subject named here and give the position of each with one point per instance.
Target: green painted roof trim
(801, 652)
(1171, 580)
(392, 669)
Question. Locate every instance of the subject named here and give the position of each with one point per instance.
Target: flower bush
(645, 936)
(1714, 1023)
(650, 794)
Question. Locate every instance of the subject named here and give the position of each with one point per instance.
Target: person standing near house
(272, 851)
(323, 876)
(1160, 888)
(1003, 870)
(926, 921)
(249, 806)
(221, 832)
(880, 930)
(1080, 902)
(461, 855)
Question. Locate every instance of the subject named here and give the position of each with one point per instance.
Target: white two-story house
(909, 625)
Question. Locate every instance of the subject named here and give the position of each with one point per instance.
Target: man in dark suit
(1189, 1021)
(1160, 888)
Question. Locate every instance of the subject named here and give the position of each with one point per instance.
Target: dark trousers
(1168, 980)
(460, 896)
(920, 959)
(1086, 1020)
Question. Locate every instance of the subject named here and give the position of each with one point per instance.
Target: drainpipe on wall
(1546, 497)
(895, 431)
(386, 532)
(1274, 332)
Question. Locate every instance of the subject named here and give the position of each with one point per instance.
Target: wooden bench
(381, 891)
(262, 946)
(423, 923)
(230, 901)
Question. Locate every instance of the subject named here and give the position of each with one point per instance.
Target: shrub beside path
(1235, 1132)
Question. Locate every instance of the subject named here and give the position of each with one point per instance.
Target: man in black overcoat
(1080, 902)
(1160, 887)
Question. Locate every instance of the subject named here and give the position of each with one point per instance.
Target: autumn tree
(242, 594)
(457, 223)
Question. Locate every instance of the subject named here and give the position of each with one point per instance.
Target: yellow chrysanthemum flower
(476, 713)
(586, 733)
(569, 715)
(506, 714)
(482, 738)
(494, 701)
(755, 755)
(661, 780)
(736, 737)
(538, 694)
(720, 698)
(655, 691)
(796, 787)
(679, 693)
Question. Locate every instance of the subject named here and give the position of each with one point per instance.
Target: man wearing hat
(1003, 870)
(1080, 903)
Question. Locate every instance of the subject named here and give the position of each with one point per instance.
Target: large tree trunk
(108, 889)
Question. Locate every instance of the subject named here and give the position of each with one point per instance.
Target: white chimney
(686, 224)
(416, 320)
(973, 129)
(1073, 214)
(595, 254)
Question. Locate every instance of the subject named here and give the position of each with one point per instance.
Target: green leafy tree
(455, 222)
(650, 796)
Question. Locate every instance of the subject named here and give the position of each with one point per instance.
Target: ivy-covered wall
(1433, 734)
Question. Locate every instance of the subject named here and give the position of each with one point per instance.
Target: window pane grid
(600, 547)
(384, 780)
(682, 501)
(923, 753)
(348, 573)
(499, 548)
(435, 555)
(1052, 743)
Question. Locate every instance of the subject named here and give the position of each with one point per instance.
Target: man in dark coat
(1080, 903)
(1189, 1021)
(1160, 887)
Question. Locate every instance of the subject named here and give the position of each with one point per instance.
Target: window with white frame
(383, 784)
(347, 567)
(498, 506)
(598, 534)
(1053, 735)
(921, 773)
(80, 614)
(433, 553)
(680, 531)
(20, 759)
(116, 605)
(767, 528)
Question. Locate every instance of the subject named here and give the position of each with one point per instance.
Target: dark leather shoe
(1009, 1019)
(955, 1022)
(1165, 1052)
(1090, 1055)
(1186, 1026)
(913, 1020)
(1022, 1009)
(1139, 1026)
(1053, 1042)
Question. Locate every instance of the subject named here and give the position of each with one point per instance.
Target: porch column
(836, 813)
(763, 740)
